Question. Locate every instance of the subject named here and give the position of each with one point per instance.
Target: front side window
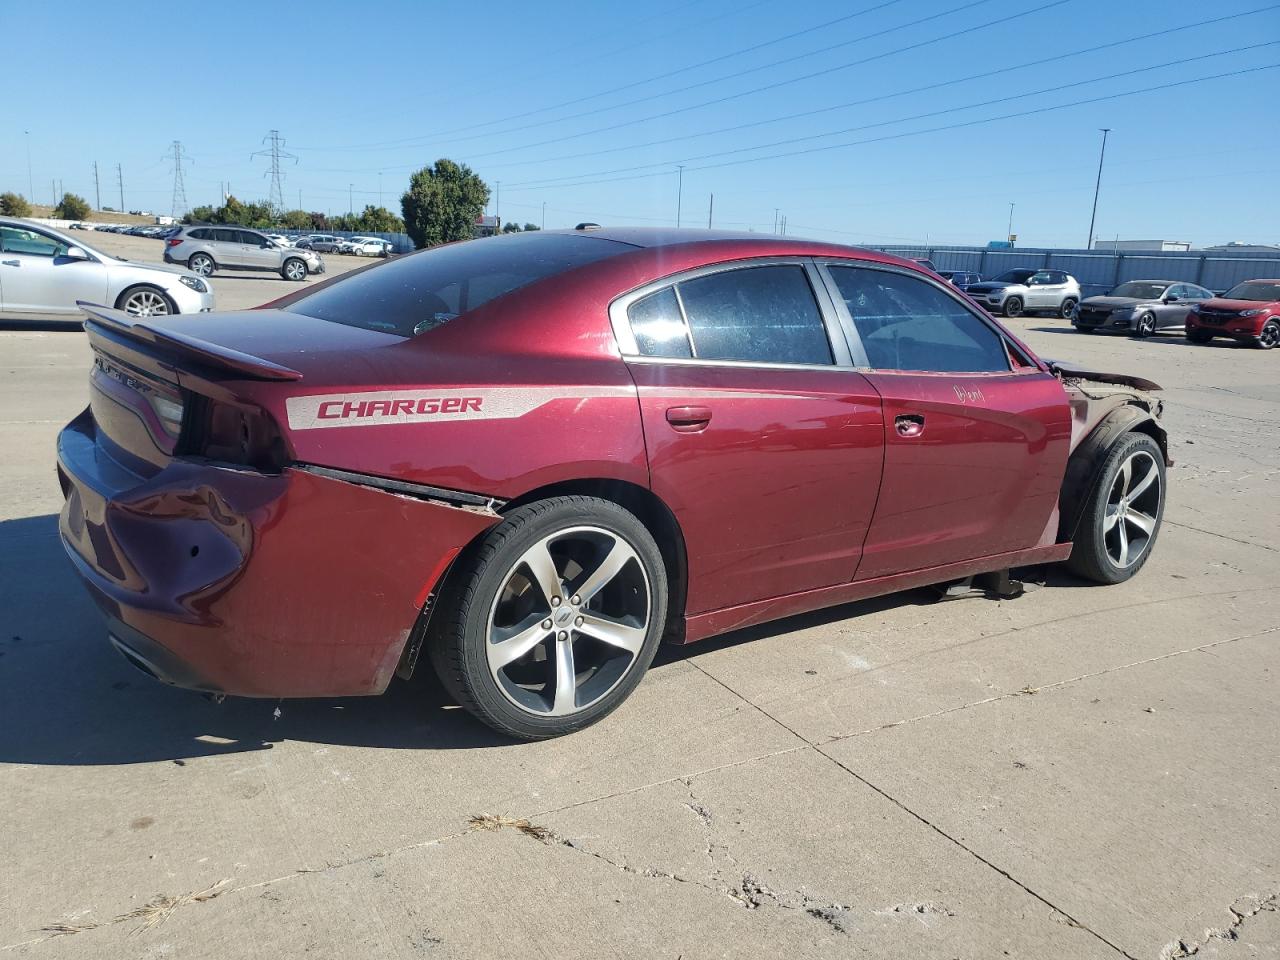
(756, 314)
(907, 324)
(20, 240)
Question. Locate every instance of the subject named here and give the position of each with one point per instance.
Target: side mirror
(76, 253)
(1171, 298)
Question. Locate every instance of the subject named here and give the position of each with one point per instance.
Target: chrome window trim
(836, 340)
(863, 364)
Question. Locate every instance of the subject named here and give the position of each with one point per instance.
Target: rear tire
(1013, 307)
(570, 658)
(1122, 516)
(202, 265)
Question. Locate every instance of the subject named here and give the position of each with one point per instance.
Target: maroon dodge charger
(532, 458)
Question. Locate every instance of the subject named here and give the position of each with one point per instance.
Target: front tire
(294, 269)
(1013, 307)
(1122, 517)
(552, 618)
(145, 301)
(1269, 335)
(1145, 326)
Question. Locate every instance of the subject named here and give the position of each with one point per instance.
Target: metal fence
(1100, 270)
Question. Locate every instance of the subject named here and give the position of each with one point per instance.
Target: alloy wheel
(1133, 504)
(569, 621)
(295, 270)
(201, 265)
(1146, 325)
(146, 303)
(1269, 335)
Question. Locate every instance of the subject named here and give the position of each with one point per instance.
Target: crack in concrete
(1221, 536)
(1252, 906)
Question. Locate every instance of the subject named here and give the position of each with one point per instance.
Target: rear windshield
(417, 293)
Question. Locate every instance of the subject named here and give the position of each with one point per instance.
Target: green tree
(14, 205)
(72, 208)
(379, 220)
(201, 214)
(511, 227)
(532, 226)
(442, 203)
(296, 220)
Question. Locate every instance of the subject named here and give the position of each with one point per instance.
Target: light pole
(350, 210)
(544, 214)
(679, 191)
(1097, 187)
(1009, 232)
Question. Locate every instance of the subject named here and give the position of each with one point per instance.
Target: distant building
(486, 226)
(1238, 247)
(1176, 246)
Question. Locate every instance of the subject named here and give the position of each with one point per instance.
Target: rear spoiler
(213, 355)
(1070, 371)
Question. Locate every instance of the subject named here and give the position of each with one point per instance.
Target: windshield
(419, 292)
(1260, 290)
(1014, 276)
(1140, 290)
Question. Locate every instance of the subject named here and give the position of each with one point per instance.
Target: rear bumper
(231, 581)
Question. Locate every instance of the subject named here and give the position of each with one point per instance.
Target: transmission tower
(179, 205)
(275, 152)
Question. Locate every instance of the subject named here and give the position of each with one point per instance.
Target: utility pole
(544, 214)
(120, 184)
(179, 202)
(679, 191)
(350, 211)
(53, 185)
(497, 204)
(97, 193)
(276, 153)
(299, 198)
(775, 219)
(379, 188)
(31, 188)
(710, 207)
(1009, 232)
(1097, 186)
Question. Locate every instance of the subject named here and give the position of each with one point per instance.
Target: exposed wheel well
(654, 514)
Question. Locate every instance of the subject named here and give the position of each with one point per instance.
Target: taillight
(228, 433)
(173, 241)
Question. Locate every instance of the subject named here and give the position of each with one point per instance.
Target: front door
(1046, 289)
(36, 275)
(762, 439)
(976, 438)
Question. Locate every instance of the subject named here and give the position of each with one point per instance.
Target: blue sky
(589, 108)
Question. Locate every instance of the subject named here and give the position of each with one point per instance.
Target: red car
(533, 457)
(1248, 312)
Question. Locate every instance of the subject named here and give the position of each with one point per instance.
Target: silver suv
(206, 249)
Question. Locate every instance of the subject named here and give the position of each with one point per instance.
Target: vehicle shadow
(67, 698)
(70, 325)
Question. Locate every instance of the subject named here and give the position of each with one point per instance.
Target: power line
(888, 96)
(927, 130)
(919, 116)
(276, 153)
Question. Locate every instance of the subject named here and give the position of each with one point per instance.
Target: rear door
(762, 438)
(1045, 290)
(228, 247)
(976, 436)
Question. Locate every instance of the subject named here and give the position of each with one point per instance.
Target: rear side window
(201, 234)
(906, 324)
(658, 325)
(226, 236)
(421, 291)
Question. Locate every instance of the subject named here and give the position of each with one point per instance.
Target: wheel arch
(1083, 466)
(144, 285)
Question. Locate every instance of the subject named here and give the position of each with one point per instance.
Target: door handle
(688, 419)
(12, 263)
(909, 425)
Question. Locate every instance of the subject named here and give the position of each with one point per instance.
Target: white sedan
(44, 272)
(368, 247)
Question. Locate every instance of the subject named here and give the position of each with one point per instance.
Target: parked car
(1249, 312)
(206, 249)
(1140, 307)
(80, 226)
(961, 279)
(44, 272)
(279, 238)
(496, 473)
(1028, 291)
(324, 242)
(367, 247)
